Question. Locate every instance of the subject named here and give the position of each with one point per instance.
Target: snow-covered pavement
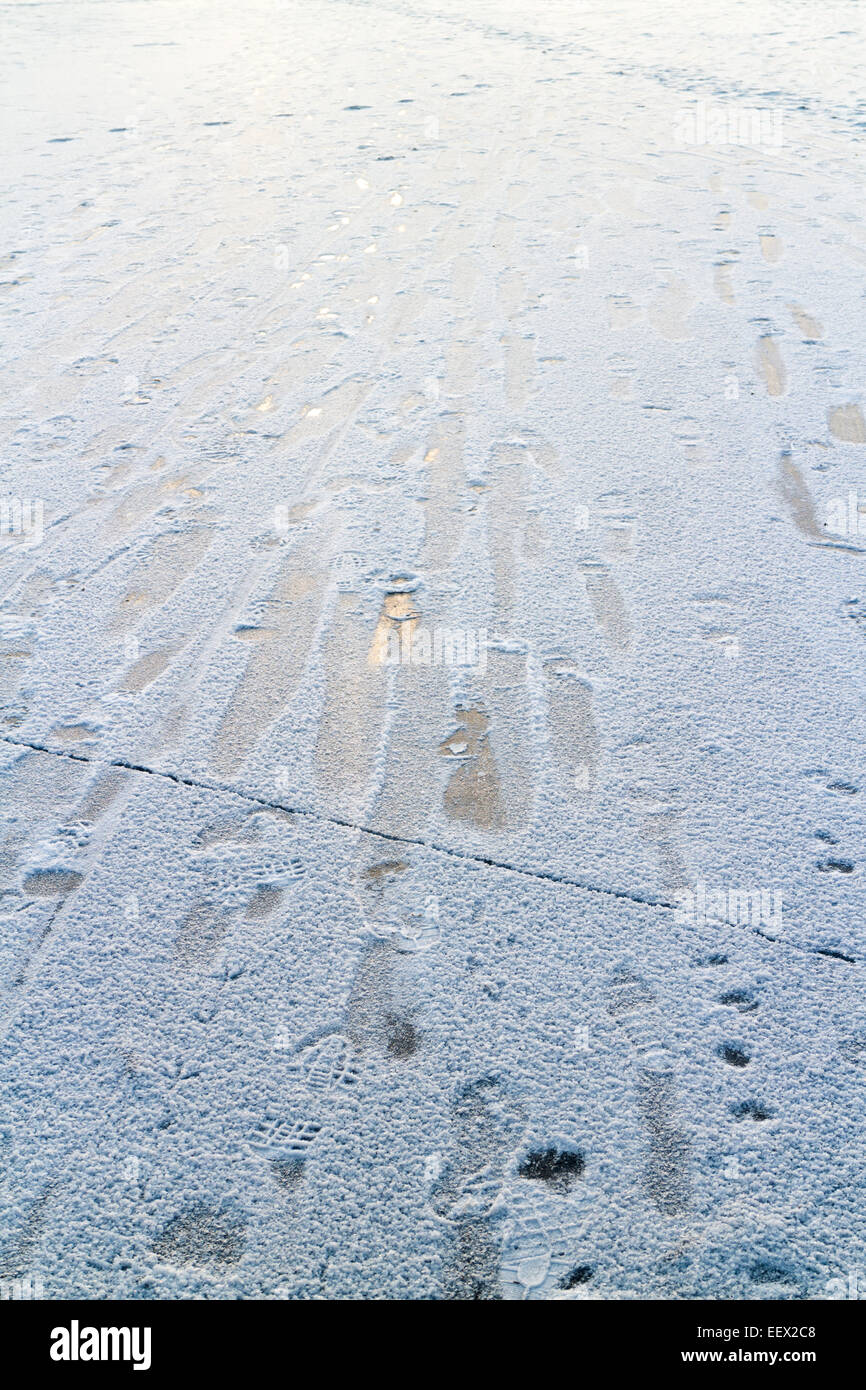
(432, 648)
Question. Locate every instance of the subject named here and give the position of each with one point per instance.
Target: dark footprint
(558, 1168)
(201, 1236)
(471, 1270)
(288, 1171)
(734, 1055)
(628, 991)
(751, 1110)
(402, 1035)
(18, 1258)
(200, 937)
(264, 901)
(741, 999)
(763, 1272)
(51, 883)
(839, 866)
(581, 1274)
(377, 1020)
(485, 1118)
(667, 1172)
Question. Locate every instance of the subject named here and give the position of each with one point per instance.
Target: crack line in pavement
(336, 820)
(643, 900)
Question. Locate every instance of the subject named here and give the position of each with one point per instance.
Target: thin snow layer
(433, 623)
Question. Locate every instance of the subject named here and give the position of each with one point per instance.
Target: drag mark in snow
(356, 681)
(275, 666)
(506, 522)
(442, 518)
